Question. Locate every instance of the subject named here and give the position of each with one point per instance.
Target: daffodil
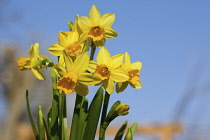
(35, 62)
(97, 27)
(108, 69)
(68, 41)
(73, 75)
(133, 71)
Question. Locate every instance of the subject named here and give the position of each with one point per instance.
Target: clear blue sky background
(170, 38)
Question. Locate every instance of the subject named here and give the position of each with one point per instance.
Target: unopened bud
(122, 109)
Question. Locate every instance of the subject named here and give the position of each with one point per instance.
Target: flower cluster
(76, 69)
(74, 63)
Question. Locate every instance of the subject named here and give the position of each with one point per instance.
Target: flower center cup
(21, 62)
(134, 76)
(68, 82)
(102, 71)
(73, 49)
(96, 33)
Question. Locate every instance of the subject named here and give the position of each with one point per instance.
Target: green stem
(74, 125)
(93, 49)
(103, 116)
(62, 117)
(55, 108)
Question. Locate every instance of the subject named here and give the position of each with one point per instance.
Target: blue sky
(170, 38)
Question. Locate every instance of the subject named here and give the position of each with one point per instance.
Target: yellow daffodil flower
(133, 71)
(68, 41)
(97, 27)
(73, 75)
(108, 69)
(35, 62)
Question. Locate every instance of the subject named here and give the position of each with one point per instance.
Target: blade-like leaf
(120, 132)
(93, 116)
(133, 128)
(54, 109)
(82, 119)
(74, 124)
(129, 135)
(40, 121)
(31, 118)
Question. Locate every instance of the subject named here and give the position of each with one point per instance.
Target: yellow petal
(136, 65)
(81, 63)
(34, 50)
(61, 60)
(36, 63)
(107, 20)
(59, 70)
(92, 66)
(68, 61)
(127, 62)
(37, 73)
(62, 39)
(73, 37)
(94, 15)
(84, 23)
(119, 75)
(108, 85)
(83, 37)
(138, 85)
(110, 33)
(116, 61)
(81, 89)
(56, 49)
(103, 56)
(121, 86)
(89, 79)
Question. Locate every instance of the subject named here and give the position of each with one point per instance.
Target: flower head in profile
(73, 76)
(68, 41)
(133, 71)
(35, 62)
(108, 69)
(97, 27)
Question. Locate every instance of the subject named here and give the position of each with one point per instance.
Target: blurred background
(170, 38)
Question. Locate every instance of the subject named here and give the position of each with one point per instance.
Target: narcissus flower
(35, 62)
(68, 41)
(133, 71)
(73, 76)
(97, 27)
(108, 69)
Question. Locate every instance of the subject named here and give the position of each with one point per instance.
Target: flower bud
(122, 109)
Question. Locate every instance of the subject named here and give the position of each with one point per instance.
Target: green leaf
(54, 109)
(82, 119)
(129, 135)
(47, 128)
(133, 128)
(93, 116)
(31, 118)
(120, 132)
(74, 125)
(40, 121)
(64, 129)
